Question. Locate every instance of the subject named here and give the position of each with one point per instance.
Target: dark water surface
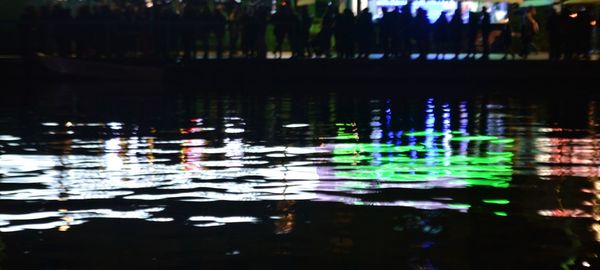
(223, 180)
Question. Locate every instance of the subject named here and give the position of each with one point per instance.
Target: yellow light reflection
(596, 229)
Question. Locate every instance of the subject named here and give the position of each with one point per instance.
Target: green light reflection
(388, 162)
(437, 163)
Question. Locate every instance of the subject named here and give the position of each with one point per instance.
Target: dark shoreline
(316, 75)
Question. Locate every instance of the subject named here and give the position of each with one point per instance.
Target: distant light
(149, 3)
(585, 264)
(68, 124)
(593, 23)
(574, 15)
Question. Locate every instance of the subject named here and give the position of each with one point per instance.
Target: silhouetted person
(304, 30)
(422, 33)
(235, 28)
(189, 20)
(27, 31)
(283, 20)
(396, 39)
(529, 27)
(296, 44)
(261, 30)
(440, 34)
(553, 28)
(249, 33)
(473, 27)
(62, 21)
(506, 37)
(204, 27)
(322, 41)
(122, 41)
(570, 25)
(84, 37)
(344, 30)
(44, 30)
(584, 34)
(404, 28)
(486, 28)
(144, 27)
(456, 34)
(218, 22)
(364, 25)
(386, 26)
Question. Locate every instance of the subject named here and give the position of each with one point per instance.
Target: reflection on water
(461, 155)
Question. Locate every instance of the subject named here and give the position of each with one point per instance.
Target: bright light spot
(573, 15)
(8, 138)
(115, 125)
(223, 219)
(234, 130)
(160, 219)
(500, 213)
(64, 228)
(593, 23)
(296, 125)
(585, 264)
(68, 124)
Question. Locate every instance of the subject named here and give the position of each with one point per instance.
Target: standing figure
(283, 21)
(456, 25)
(386, 25)
(364, 27)
(322, 41)
(404, 28)
(304, 31)
(529, 27)
(235, 29)
(189, 32)
(422, 33)
(473, 27)
(553, 26)
(486, 28)
(440, 35)
(507, 41)
(218, 22)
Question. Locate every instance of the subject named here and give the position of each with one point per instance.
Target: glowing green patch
(432, 163)
(503, 141)
(497, 201)
(459, 205)
(500, 213)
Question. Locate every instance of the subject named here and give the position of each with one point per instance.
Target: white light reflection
(68, 218)
(8, 138)
(296, 125)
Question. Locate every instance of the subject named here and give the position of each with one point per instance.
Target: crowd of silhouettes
(569, 33)
(199, 29)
